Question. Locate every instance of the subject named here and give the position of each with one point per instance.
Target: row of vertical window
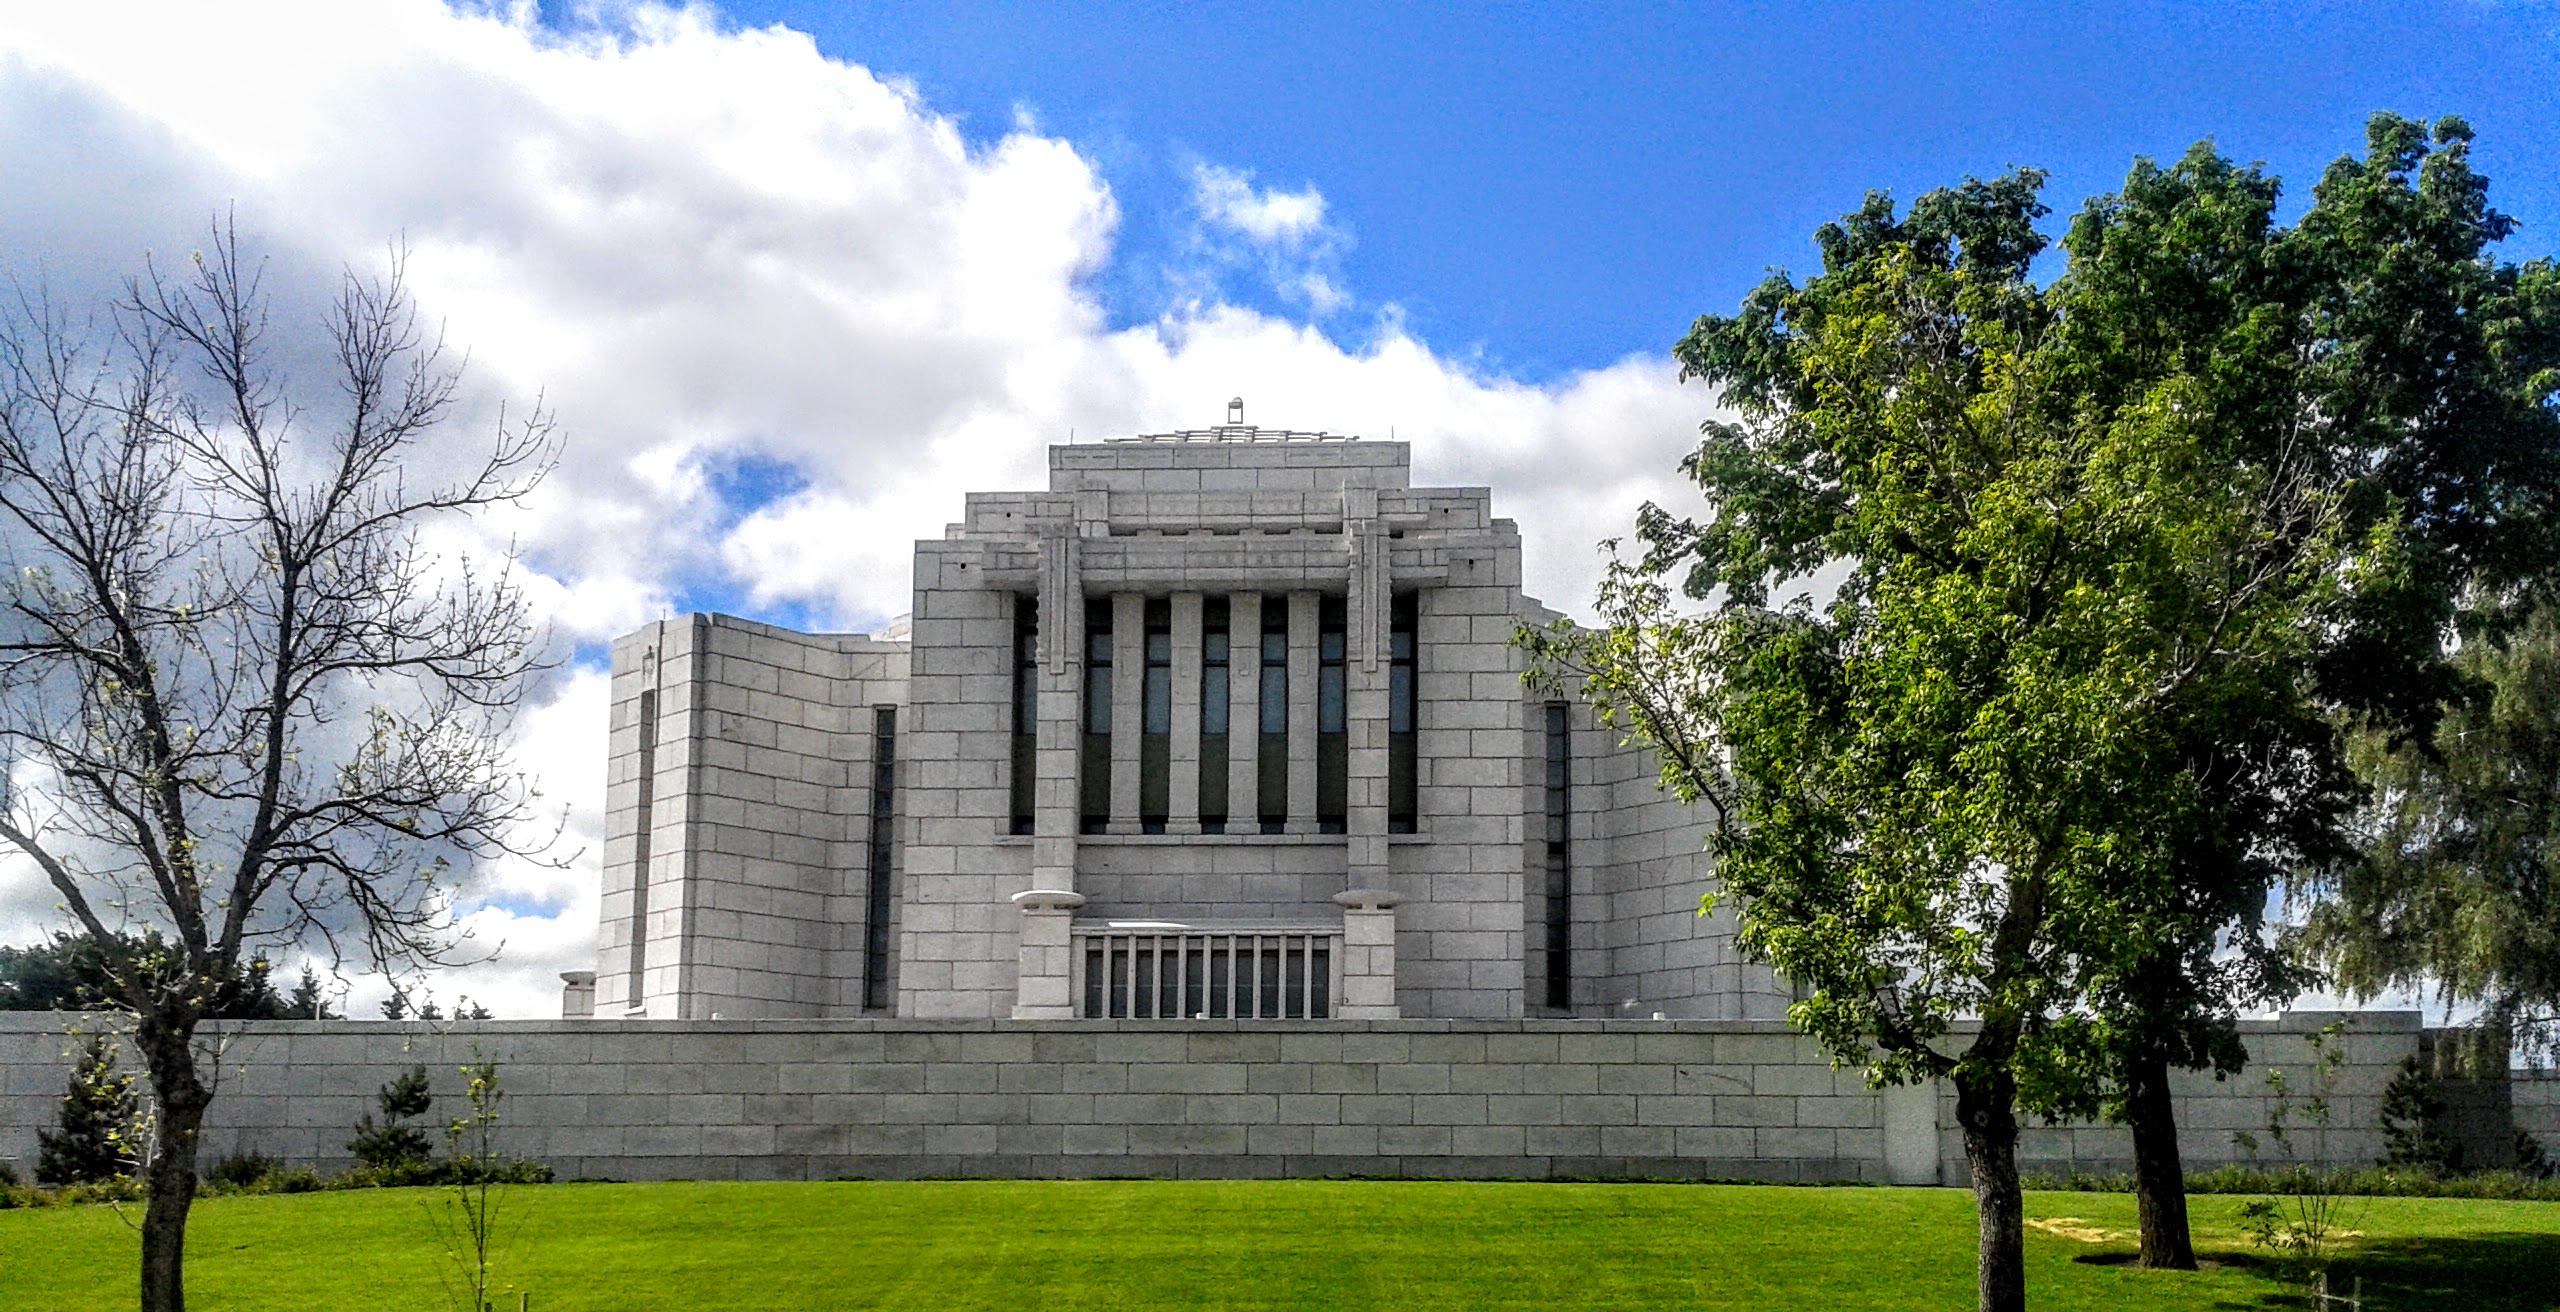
(884, 810)
(1221, 622)
(1559, 838)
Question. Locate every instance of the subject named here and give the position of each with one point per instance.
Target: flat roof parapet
(1231, 433)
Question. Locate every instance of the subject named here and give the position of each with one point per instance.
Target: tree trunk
(1986, 1108)
(178, 1102)
(2159, 1176)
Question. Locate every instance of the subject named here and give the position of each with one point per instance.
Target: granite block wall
(959, 946)
(1460, 938)
(816, 1099)
(756, 742)
(2537, 1106)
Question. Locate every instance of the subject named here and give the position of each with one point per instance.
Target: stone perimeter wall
(2537, 1106)
(818, 1099)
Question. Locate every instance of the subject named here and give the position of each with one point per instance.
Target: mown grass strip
(1280, 1244)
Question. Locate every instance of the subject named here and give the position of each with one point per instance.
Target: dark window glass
(1271, 758)
(1155, 725)
(1275, 682)
(884, 810)
(1213, 715)
(640, 847)
(1559, 858)
(1094, 785)
(1403, 788)
(1026, 710)
(1333, 744)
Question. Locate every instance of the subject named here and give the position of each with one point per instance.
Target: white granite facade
(1074, 822)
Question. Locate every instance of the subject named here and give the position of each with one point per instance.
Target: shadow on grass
(2467, 1273)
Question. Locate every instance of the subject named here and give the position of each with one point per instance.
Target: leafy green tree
(94, 1140)
(2459, 889)
(1945, 793)
(2180, 326)
(2379, 349)
(2110, 557)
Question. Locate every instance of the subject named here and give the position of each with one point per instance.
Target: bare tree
(244, 701)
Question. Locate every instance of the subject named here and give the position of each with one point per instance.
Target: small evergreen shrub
(98, 1113)
(241, 1170)
(257, 1173)
(288, 1180)
(2410, 1113)
(393, 1145)
(2532, 1161)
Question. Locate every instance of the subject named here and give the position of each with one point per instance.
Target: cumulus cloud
(703, 248)
(1279, 237)
(1228, 199)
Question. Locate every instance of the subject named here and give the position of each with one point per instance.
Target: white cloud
(1281, 238)
(1227, 198)
(699, 244)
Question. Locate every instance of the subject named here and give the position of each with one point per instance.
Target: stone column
(1182, 799)
(1043, 961)
(1910, 1114)
(1369, 618)
(1368, 955)
(1244, 711)
(1128, 705)
(1047, 958)
(577, 994)
(1060, 726)
(1303, 617)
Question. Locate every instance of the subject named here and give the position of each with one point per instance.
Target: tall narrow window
(1026, 710)
(1403, 792)
(1333, 742)
(648, 790)
(1559, 858)
(1155, 724)
(1213, 716)
(1271, 759)
(1094, 789)
(884, 811)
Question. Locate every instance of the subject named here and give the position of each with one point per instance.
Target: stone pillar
(1910, 1115)
(1043, 961)
(1047, 957)
(1368, 954)
(1244, 711)
(1128, 705)
(1060, 749)
(1369, 618)
(1182, 800)
(577, 994)
(1303, 618)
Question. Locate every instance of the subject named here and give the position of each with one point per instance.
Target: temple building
(1224, 723)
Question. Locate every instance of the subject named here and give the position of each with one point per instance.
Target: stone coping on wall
(818, 1098)
(59, 1022)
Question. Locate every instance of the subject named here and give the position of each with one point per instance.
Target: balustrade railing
(1174, 972)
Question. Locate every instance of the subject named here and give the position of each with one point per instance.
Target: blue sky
(1543, 189)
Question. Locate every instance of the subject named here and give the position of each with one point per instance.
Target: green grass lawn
(1331, 1244)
